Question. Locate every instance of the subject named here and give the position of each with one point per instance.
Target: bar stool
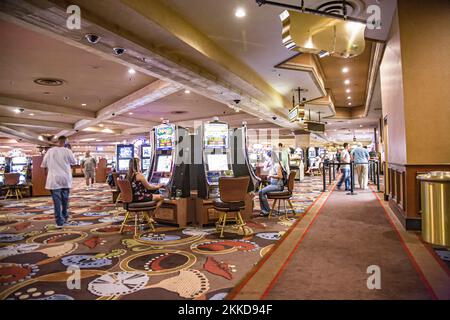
(232, 200)
(12, 185)
(135, 208)
(285, 195)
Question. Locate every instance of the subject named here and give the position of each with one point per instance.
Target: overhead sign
(293, 114)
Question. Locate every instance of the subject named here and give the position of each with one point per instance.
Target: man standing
(345, 169)
(57, 161)
(361, 158)
(88, 164)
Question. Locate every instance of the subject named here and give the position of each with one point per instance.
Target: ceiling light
(260, 119)
(130, 113)
(348, 98)
(187, 91)
(345, 70)
(31, 114)
(101, 125)
(131, 71)
(348, 90)
(83, 104)
(240, 13)
(349, 103)
(16, 110)
(360, 125)
(347, 81)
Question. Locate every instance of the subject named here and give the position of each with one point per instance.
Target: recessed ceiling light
(349, 103)
(240, 13)
(347, 81)
(31, 114)
(360, 125)
(349, 97)
(101, 125)
(345, 70)
(348, 90)
(83, 104)
(187, 91)
(130, 113)
(131, 71)
(260, 119)
(16, 110)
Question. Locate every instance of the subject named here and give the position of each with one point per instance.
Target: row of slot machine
(21, 165)
(181, 162)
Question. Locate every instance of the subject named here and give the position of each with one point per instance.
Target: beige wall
(425, 43)
(391, 77)
(415, 83)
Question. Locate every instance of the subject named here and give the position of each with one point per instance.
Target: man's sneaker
(59, 227)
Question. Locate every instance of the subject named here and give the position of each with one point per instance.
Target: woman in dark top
(142, 190)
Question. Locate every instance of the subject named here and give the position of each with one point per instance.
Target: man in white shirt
(58, 161)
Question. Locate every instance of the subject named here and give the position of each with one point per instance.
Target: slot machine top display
(165, 137)
(215, 135)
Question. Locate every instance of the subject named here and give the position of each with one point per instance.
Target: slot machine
(170, 160)
(2, 170)
(20, 164)
(216, 158)
(311, 156)
(146, 157)
(242, 165)
(124, 153)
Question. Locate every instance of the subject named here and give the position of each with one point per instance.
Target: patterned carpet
(36, 260)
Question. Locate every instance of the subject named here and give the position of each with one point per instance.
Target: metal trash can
(435, 204)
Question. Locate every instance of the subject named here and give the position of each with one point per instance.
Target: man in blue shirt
(361, 158)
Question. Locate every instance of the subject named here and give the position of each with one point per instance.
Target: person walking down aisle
(57, 162)
(88, 165)
(361, 158)
(275, 179)
(345, 169)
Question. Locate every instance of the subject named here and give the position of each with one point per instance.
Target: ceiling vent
(178, 112)
(49, 82)
(353, 8)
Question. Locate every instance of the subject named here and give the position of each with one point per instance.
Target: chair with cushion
(12, 185)
(232, 200)
(135, 208)
(116, 191)
(285, 195)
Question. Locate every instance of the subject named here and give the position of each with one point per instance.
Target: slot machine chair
(135, 208)
(116, 191)
(285, 196)
(232, 200)
(12, 185)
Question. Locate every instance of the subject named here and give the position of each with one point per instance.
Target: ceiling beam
(21, 134)
(23, 122)
(132, 122)
(37, 106)
(45, 17)
(150, 93)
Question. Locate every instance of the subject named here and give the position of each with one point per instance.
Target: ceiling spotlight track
(302, 8)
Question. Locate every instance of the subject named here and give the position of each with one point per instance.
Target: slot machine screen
(124, 164)
(125, 152)
(145, 164)
(2, 161)
(165, 137)
(217, 162)
(21, 160)
(216, 135)
(146, 152)
(164, 163)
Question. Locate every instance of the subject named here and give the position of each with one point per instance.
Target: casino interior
(215, 98)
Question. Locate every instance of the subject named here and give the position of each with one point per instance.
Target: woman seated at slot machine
(142, 190)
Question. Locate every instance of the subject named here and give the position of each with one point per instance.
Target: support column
(415, 97)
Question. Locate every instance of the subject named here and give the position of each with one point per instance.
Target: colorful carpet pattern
(40, 262)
